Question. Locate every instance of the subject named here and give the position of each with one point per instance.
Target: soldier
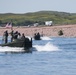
(23, 36)
(12, 33)
(5, 36)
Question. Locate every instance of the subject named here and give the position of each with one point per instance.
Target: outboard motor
(27, 44)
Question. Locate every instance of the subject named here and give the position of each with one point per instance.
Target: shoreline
(52, 31)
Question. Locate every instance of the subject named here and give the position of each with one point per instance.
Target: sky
(25, 6)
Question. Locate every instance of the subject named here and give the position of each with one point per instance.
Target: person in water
(5, 36)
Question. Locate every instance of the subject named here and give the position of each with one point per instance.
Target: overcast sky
(25, 6)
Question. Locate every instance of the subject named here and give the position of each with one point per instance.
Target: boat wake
(47, 47)
(46, 38)
(11, 49)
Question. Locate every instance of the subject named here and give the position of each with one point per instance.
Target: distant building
(48, 23)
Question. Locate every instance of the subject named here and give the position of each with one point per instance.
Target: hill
(38, 17)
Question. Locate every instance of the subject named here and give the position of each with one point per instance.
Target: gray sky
(24, 6)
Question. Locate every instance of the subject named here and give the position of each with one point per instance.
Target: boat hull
(37, 37)
(19, 43)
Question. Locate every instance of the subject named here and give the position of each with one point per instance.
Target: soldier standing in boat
(5, 36)
(23, 36)
(15, 35)
(12, 33)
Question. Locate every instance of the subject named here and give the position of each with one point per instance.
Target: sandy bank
(68, 30)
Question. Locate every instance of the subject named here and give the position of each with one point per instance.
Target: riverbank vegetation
(38, 17)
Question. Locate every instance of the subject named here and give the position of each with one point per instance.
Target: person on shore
(5, 36)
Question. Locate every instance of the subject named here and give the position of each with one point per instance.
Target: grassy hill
(40, 17)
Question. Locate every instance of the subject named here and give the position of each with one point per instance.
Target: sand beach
(68, 30)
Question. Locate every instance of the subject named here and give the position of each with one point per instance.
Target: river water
(50, 56)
